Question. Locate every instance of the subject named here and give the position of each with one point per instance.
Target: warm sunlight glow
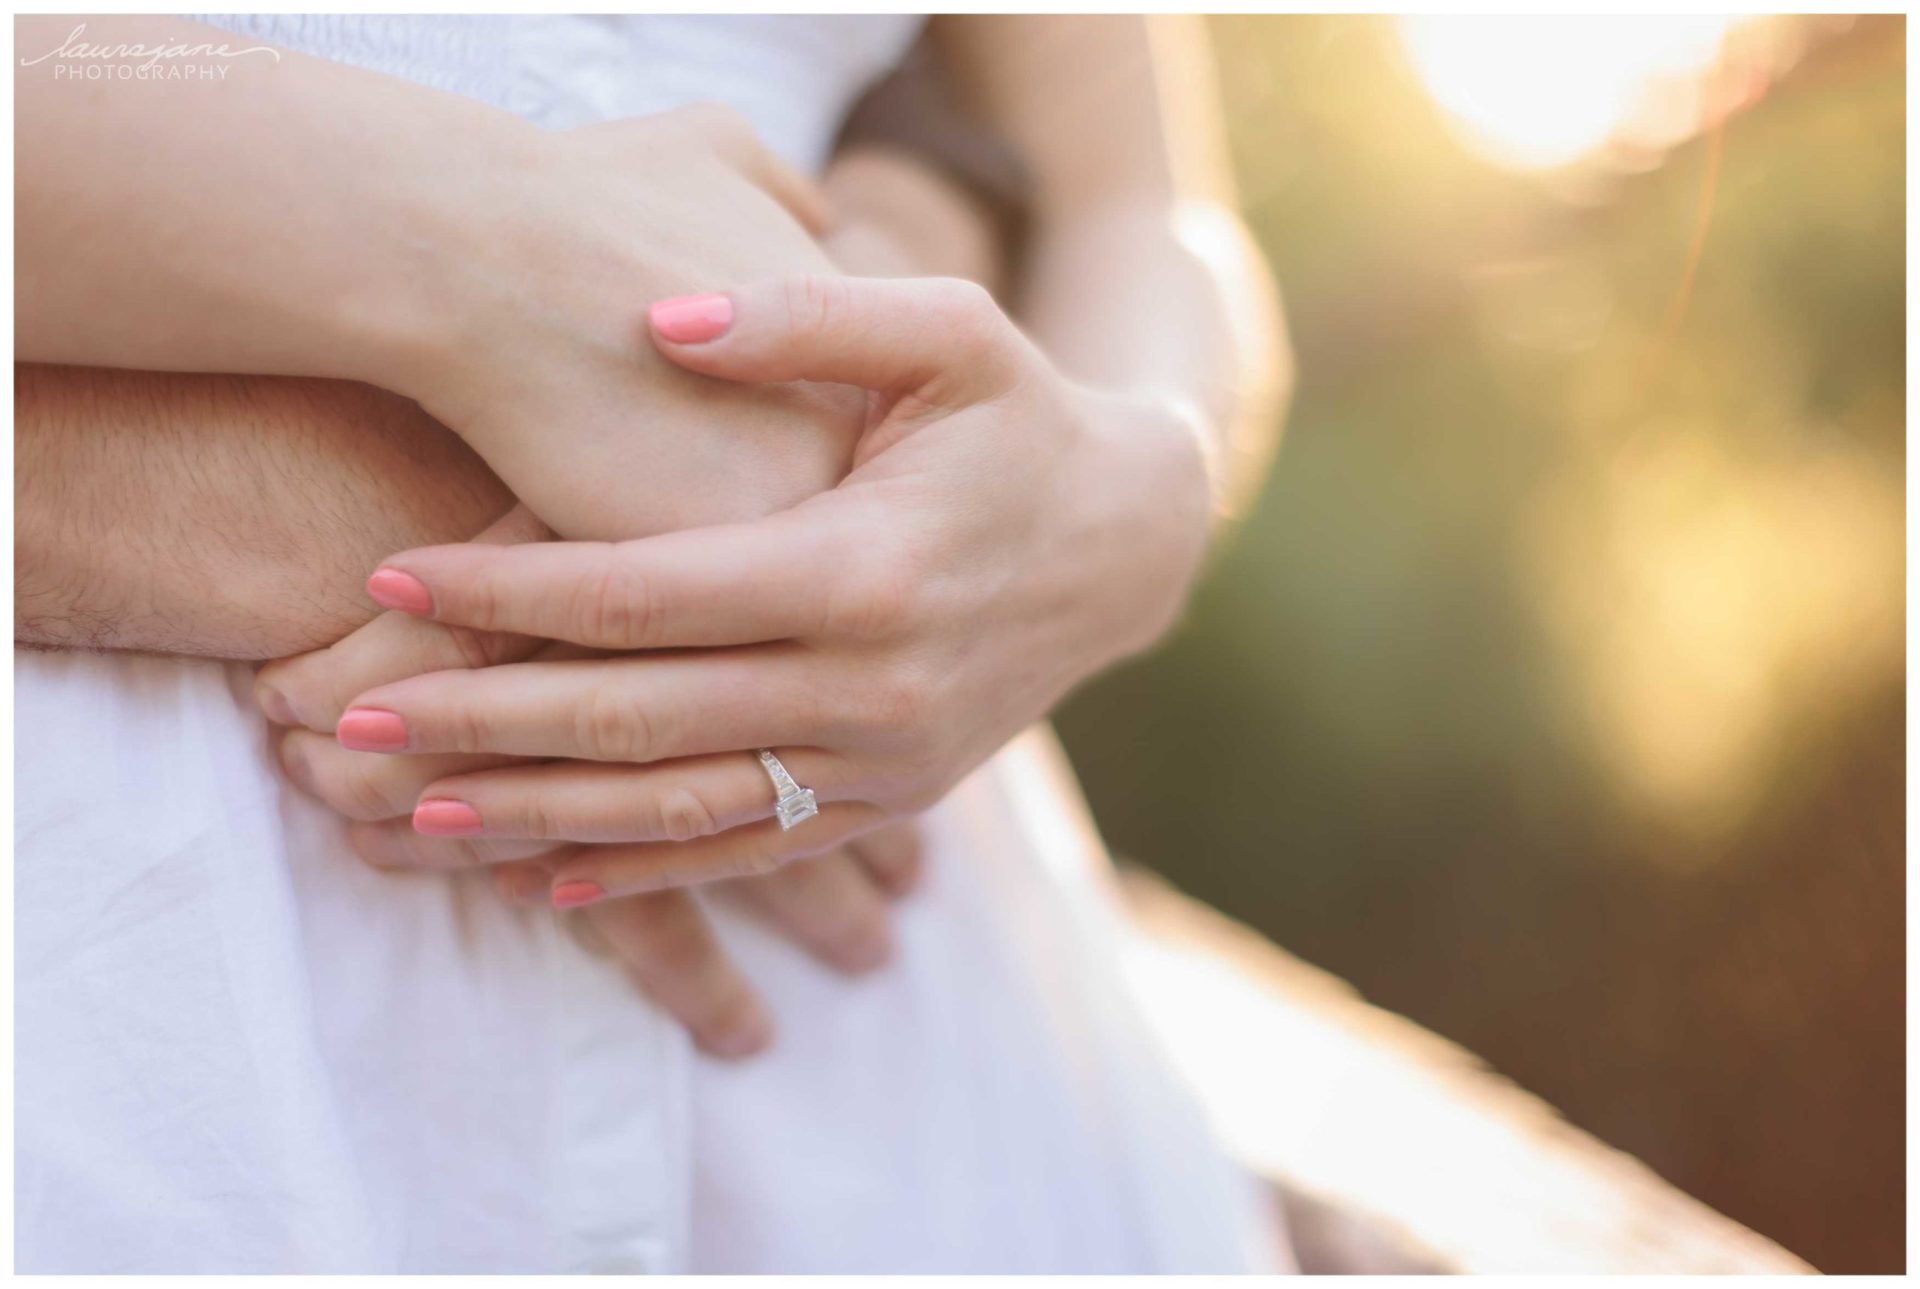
(1540, 91)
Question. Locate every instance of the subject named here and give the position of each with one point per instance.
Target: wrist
(411, 322)
(1150, 488)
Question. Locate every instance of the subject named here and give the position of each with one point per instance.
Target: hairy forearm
(226, 516)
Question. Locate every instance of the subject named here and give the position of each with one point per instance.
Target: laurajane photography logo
(77, 59)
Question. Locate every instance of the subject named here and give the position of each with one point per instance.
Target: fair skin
(428, 245)
(231, 479)
(1167, 353)
(887, 635)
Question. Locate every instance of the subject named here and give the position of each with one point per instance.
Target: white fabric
(240, 1049)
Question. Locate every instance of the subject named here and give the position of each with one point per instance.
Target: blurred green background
(1553, 695)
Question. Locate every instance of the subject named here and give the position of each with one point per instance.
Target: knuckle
(814, 306)
(470, 854)
(965, 302)
(979, 333)
(612, 607)
(685, 816)
(473, 649)
(476, 598)
(760, 859)
(968, 309)
(363, 787)
(539, 821)
(612, 727)
(464, 726)
(308, 685)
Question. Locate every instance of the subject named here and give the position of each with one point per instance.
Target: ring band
(792, 803)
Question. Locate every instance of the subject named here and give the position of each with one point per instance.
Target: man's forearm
(226, 516)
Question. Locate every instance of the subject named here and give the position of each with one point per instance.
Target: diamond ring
(792, 804)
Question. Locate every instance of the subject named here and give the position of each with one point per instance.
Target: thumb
(942, 339)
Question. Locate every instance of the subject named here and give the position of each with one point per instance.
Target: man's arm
(228, 516)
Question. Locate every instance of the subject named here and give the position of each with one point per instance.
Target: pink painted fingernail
(444, 817)
(571, 895)
(367, 729)
(391, 589)
(692, 319)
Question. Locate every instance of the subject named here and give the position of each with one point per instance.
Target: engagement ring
(792, 804)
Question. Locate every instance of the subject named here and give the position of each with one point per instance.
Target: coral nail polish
(571, 895)
(367, 729)
(692, 319)
(391, 589)
(444, 817)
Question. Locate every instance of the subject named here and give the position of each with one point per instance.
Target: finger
(668, 947)
(894, 856)
(312, 689)
(392, 843)
(941, 339)
(362, 786)
(829, 905)
(800, 573)
(521, 882)
(583, 801)
(598, 872)
(616, 709)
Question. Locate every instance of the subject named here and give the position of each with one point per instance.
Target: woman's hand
(361, 227)
(835, 906)
(1005, 534)
(542, 364)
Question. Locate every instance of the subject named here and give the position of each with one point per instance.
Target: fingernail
(571, 895)
(444, 817)
(367, 729)
(391, 589)
(869, 953)
(274, 704)
(741, 1038)
(293, 759)
(691, 319)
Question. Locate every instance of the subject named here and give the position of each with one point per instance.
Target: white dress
(240, 1049)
